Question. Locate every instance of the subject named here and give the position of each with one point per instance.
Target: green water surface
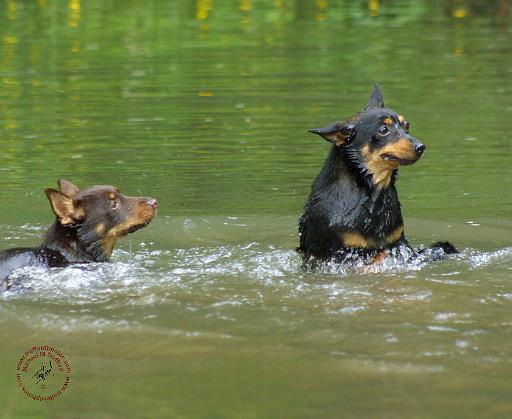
(205, 105)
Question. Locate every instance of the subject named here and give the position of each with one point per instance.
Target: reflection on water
(211, 113)
(205, 105)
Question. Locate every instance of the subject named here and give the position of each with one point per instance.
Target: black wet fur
(345, 199)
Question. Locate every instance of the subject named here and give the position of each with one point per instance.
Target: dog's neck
(354, 186)
(73, 244)
(344, 164)
(350, 163)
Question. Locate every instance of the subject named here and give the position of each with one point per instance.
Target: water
(205, 106)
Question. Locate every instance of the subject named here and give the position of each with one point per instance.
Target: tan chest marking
(355, 239)
(395, 235)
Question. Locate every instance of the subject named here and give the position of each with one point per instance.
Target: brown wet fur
(139, 216)
(87, 225)
(379, 257)
(338, 138)
(101, 214)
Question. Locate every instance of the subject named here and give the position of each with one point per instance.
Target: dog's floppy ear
(339, 133)
(64, 207)
(376, 101)
(68, 188)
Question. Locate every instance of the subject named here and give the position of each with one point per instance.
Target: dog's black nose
(420, 148)
(153, 203)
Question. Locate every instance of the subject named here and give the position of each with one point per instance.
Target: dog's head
(376, 140)
(100, 214)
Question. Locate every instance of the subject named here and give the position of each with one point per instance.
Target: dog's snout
(419, 148)
(153, 203)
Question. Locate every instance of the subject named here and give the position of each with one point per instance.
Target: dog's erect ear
(64, 207)
(338, 133)
(376, 101)
(68, 188)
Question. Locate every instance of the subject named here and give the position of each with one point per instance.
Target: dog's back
(13, 258)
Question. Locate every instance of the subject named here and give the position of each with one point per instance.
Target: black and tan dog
(353, 212)
(88, 224)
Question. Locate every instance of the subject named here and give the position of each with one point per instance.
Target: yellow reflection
(321, 5)
(10, 81)
(75, 47)
(205, 94)
(10, 40)
(374, 6)
(460, 12)
(245, 20)
(75, 7)
(11, 10)
(458, 47)
(246, 5)
(9, 47)
(203, 9)
(10, 122)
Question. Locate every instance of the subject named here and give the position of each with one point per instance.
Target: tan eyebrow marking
(401, 119)
(388, 121)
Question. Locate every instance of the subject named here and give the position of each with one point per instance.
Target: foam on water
(225, 293)
(479, 260)
(135, 274)
(222, 280)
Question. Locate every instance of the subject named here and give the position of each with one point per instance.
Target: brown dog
(88, 224)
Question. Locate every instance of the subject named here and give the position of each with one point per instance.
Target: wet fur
(88, 223)
(353, 212)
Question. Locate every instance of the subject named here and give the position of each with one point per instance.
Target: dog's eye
(383, 131)
(114, 202)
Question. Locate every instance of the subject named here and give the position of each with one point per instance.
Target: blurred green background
(205, 104)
